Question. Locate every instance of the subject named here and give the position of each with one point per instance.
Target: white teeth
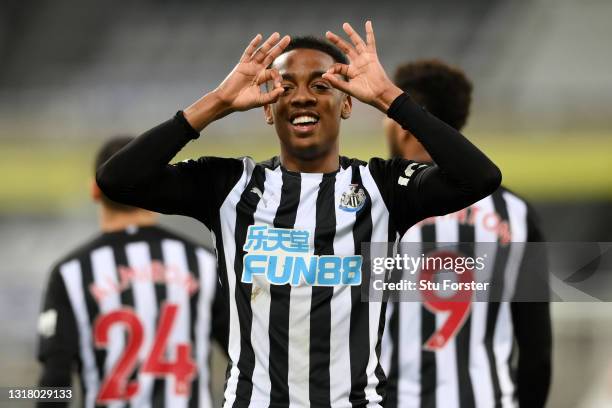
(304, 119)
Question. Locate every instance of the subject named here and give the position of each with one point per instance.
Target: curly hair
(444, 90)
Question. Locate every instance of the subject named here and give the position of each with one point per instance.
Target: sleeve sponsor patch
(404, 179)
(47, 322)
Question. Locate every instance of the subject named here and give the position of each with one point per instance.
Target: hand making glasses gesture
(363, 78)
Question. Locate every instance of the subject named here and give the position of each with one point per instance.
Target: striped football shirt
(135, 309)
(476, 366)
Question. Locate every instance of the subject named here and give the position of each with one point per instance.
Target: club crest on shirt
(353, 199)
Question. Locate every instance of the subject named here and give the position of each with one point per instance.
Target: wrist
(386, 98)
(206, 110)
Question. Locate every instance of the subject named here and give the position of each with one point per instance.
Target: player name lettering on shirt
(155, 272)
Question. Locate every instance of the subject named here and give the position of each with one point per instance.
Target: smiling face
(307, 115)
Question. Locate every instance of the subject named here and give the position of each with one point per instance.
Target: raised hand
(367, 79)
(241, 89)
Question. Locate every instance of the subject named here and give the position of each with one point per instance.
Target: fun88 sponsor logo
(283, 256)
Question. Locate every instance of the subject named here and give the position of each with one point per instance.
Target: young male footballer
(288, 231)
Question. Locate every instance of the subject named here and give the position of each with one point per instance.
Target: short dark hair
(316, 43)
(444, 90)
(105, 152)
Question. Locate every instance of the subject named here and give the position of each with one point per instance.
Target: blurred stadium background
(73, 73)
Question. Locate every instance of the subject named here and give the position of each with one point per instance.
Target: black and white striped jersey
(476, 366)
(134, 310)
(289, 249)
(291, 243)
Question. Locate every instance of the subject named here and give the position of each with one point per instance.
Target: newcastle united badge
(353, 199)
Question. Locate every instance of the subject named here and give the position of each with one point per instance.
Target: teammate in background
(133, 310)
(288, 231)
(475, 366)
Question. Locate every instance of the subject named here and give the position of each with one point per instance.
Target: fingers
(332, 76)
(276, 50)
(269, 75)
(355, 38)
(271, 96)
(261, 53)
(337, 83)
(371, 40)
(250, 49)
(348, 49)
(337, 68)
(277, 90)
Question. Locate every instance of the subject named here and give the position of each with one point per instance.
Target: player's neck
(112, 221)
(324, 164)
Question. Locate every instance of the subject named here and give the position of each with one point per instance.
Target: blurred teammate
(288, 231)
(474, 367)
(133, 311)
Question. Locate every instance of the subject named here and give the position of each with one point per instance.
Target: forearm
(132, 173)
(206, 110)
(140, 173)
(458, 160)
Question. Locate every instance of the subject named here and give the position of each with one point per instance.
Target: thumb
(271, 96)
(336, 82)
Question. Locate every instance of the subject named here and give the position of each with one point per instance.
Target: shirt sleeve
(532, 324)
(58, 338)
(220, 318)
(141, 175)
(205, 182)
(461, 175)
(395, 179)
